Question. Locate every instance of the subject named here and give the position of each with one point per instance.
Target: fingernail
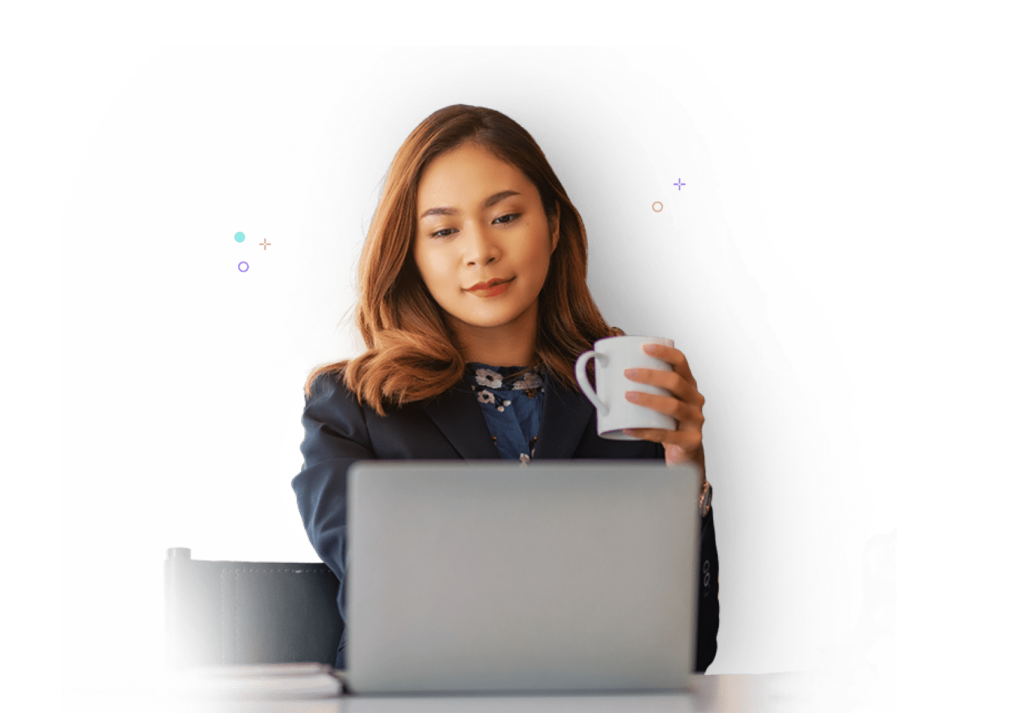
(628, 431)
(650, 348)
(632, 373)
(632, 395)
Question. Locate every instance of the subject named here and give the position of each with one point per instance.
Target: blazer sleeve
(336, 437)
(707, 599)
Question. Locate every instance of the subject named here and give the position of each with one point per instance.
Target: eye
(502, 219)
(443, 233)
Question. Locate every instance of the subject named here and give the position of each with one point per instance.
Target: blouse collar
(502, 377)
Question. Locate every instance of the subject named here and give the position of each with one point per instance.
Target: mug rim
(657, 340)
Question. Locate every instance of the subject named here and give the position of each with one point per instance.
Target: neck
(509, 344)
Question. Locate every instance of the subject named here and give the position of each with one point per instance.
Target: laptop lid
(575, 575)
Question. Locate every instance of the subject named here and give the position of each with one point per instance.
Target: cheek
(541, 257)
(537, 252)
(432, 268)
(423, 265)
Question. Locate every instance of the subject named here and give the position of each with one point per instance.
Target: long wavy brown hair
(411, 353)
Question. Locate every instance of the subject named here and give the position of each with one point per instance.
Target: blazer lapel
(563, 422)
(457, 414)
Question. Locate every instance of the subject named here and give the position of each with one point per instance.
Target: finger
(670, 380)
(678, 455)
(687, 435)
(682, 411)
(673, 356)
(688, 438)
(680, 369)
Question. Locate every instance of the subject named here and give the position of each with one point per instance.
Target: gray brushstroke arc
(126, 117)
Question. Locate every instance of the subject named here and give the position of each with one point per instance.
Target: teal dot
(239, 237)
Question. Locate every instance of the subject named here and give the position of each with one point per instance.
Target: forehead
(467, 175)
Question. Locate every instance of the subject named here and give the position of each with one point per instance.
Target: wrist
(704, 503)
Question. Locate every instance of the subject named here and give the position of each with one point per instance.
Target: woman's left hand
(685, 405)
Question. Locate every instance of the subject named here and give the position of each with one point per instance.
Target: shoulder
(331, 401)
(328, 385)
(330, 398)
(334, 422)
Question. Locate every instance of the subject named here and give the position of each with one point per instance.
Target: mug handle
(584, 382)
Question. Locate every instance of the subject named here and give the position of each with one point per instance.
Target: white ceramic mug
(612, 356)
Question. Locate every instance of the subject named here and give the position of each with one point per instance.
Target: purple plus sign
(679, 184)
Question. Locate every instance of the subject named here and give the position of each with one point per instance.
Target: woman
(474, 307)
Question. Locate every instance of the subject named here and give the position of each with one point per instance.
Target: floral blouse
(511, 407)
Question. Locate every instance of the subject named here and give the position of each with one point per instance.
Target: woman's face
(480, 218)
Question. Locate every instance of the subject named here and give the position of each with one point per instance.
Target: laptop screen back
(494, 576)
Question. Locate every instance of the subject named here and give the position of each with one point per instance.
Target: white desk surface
(752, 693)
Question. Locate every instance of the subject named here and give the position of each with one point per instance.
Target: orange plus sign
(264, 244)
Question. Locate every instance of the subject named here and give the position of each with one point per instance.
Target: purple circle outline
(246, 266)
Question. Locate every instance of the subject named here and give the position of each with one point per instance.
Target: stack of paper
(270, 681)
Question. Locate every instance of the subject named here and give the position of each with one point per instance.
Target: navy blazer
(340, 432)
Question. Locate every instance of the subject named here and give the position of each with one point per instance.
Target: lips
(496, 287)
(489, 284)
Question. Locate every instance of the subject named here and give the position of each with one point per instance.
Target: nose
(479, 248)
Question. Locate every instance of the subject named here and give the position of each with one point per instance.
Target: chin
(490, 322)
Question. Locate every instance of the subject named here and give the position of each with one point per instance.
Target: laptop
(502, 577)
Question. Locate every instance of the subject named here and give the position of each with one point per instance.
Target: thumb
(675, 455)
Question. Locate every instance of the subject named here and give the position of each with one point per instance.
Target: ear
(554, 222)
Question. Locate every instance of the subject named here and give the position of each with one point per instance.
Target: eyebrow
(445, 210)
